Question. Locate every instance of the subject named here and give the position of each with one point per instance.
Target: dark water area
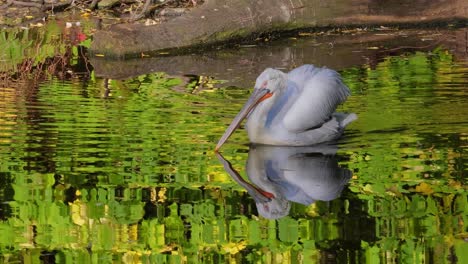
(112, 161)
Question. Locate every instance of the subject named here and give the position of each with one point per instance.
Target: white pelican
(294, 109)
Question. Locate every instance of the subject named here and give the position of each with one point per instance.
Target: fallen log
(218, 21)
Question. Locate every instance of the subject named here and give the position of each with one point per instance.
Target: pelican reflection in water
(279, 175)
(294, 109)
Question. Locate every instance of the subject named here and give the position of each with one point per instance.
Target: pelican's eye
(264, 84)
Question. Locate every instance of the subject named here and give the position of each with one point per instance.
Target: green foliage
(12, 46)
(32, 47)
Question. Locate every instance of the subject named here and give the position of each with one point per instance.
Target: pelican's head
(271, 79)
(269, 83)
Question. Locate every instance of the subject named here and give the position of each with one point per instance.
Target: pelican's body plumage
(294, 109)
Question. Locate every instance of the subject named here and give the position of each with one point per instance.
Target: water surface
(94, 169)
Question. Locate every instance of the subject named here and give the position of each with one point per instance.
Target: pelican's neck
(260, 115)
(263, 118)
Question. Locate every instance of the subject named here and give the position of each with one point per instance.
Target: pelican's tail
(344, 119)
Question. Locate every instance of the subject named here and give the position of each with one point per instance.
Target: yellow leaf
(76, 213)
(424, 188)
(367, 188)
(233, 248)
(162, 195)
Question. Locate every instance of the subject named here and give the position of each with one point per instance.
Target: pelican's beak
(257, 96)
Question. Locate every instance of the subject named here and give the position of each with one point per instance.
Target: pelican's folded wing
(321, 91)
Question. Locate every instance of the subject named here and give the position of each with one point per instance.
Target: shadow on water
(240, 66)
(281, 175)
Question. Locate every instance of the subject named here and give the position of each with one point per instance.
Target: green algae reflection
(126, 174)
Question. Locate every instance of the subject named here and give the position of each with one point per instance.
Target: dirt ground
(13, 15)
(26, 13)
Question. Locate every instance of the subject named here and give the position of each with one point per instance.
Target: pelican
(294, 109)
